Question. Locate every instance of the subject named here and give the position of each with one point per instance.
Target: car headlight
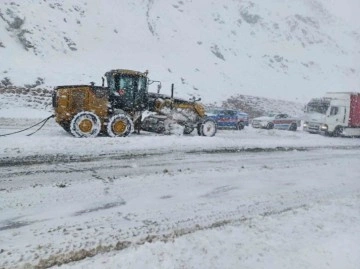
(305, 124)
(324, 127)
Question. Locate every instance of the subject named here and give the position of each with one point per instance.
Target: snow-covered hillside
(283, 49)
(17, 102)
(259, 106)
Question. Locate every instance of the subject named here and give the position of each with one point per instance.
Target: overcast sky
(347, 9)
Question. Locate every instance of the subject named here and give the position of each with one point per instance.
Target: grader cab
(116, 110)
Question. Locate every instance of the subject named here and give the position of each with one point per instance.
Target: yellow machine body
(71, 100)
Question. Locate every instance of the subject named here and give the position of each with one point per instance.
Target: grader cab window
(126, 82)
(128, 91)
(129, 84)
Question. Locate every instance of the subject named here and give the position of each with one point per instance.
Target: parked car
(278, 121)
(228, 118)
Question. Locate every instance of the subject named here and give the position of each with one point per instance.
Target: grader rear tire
(85, 124)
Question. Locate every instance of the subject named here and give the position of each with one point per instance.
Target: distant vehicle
(228, 118)
(278, 121)
(336, 114)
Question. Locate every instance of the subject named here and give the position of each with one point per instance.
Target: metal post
(172, 95)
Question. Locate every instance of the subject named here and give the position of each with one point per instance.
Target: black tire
(240, 126)
(160, 128)
(85, 124)
(137, 125)
(270, 126)
(120, 125)
(188, 130)
(66, 126)
(293, 127)
(208, 127)
(198, 128)
(338, 131)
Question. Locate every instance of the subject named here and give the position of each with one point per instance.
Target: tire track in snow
(61, 259)
(169, 230)
(202, 214)
(63, 158)
(230, 218)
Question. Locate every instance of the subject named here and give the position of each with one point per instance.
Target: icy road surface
(248, 199)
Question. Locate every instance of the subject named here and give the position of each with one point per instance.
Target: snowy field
(245, 199)
(242, 199)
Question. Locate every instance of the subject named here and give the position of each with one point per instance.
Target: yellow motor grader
(117, 110)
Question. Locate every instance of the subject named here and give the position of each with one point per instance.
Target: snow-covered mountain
(16, 102)
(282, 49)
(257, 106)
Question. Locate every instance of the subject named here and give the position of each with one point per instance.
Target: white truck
(335, 114)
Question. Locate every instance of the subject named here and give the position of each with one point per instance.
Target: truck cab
(336, 116)
(331, 115)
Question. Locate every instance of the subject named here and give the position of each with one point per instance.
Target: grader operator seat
(128, 89)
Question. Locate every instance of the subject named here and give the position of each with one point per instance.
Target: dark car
(228, 118)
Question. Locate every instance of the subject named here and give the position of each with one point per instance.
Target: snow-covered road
(249, 199)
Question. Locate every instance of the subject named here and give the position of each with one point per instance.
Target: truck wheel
(270, 126)
(240, 126)
(338, 131)
(120, 125)
(208, 127)
(293, 127)
(85, 124)
(198, 128)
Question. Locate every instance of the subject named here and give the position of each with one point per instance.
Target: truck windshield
(318, 105)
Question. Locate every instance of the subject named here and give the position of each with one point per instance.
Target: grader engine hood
(70, 100)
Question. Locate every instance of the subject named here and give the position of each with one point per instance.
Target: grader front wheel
(207, 128)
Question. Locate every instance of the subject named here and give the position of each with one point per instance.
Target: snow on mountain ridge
(283, 50)
(259, 106)
(14, 101)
